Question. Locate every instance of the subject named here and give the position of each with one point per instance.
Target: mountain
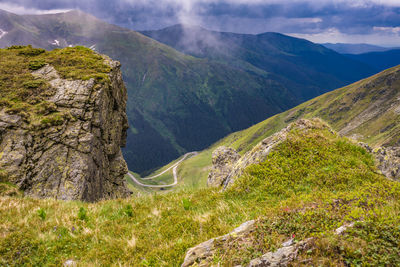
(368, 111)
(343, 48)
(173, 98)
(297, 193)
(305, 68)
(177, 102)
(379, 60)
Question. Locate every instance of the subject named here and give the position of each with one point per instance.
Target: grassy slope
(179, 103)
(340, 107)
(304, 188)
(173, 98)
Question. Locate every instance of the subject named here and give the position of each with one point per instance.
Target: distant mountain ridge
(379, 60)
(178, 102)
(344, 48)
(297, 63)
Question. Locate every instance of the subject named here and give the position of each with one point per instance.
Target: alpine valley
(184, 102)
(274, 151)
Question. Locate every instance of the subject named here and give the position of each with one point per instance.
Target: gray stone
(202, 254)
(387, 160)
(80, 159)
(223, 160)
(70, 263)
(343, 228)
(282, 257)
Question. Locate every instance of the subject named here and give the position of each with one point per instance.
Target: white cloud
(189, 3)
(388, 29)
(21, 10)
(2, 33)
(333, 35)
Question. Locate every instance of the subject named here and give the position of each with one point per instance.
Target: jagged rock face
(228, 165)
(78, 158)
(387, 160)
(223, 159)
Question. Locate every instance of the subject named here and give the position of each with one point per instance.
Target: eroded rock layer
(76, 154)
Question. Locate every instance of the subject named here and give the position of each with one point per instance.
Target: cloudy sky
(348, 21)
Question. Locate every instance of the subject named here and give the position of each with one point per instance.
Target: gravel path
(174, 172)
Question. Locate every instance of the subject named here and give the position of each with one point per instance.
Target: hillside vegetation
(311, 184)
(305, 68)
(180, 103)
(368, 110)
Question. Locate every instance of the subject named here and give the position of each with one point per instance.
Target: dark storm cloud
(302, 17)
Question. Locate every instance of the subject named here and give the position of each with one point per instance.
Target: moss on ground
(310, 185)
(21, 93)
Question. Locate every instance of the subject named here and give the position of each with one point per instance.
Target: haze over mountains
(343, 48)
(179, 102)
(305, 68)
(377, 57)
(379, 60)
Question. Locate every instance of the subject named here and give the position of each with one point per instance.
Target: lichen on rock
(387, 160)
(74, 153)
(202, 254)
(223, 159)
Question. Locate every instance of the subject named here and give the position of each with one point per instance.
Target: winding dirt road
(174, 172)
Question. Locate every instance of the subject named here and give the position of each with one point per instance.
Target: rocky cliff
(74, 152)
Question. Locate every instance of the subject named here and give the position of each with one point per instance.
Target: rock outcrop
(75, 155)
(387, 160)
(223, 160)
(202, 255)
(228, 165)
(283, 256)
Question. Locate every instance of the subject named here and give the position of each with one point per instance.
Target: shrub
(128, 210)
(36, 64)
(186, 203)
(82, 215)
(15, 47)
(33, 84)
(30, 51)
(42, 214)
